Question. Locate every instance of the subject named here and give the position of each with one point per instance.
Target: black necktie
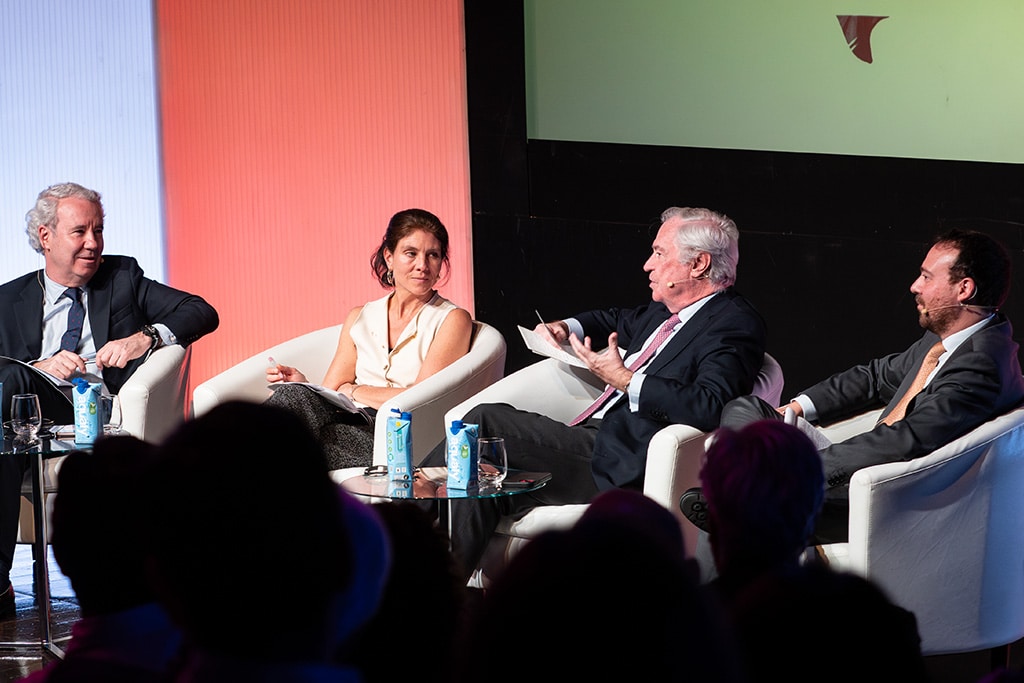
(76, 317)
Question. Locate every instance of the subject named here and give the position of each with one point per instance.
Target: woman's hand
(347, 389)
(284, 373)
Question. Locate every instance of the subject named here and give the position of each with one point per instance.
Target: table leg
(41, 569)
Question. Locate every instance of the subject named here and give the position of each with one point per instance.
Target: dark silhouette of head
(99, 531)
(618, 578)
(764, 486)
(779, 626)
(235, 492)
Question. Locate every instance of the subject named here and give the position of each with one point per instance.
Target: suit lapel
(28, 311)
(99, 307)
(690, 331)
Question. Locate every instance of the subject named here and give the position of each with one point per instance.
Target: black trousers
(536, 443)
(833, 525)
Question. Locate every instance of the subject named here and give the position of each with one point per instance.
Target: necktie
(931, 359)
(76, 316)
(659, 339)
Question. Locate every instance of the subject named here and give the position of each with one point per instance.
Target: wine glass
(110, 414)
(493, 460)
(25, 416)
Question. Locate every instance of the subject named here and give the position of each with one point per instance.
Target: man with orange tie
(963, 372)
(694, 347)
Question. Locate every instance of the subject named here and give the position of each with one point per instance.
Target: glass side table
(430, 483)
(37, 452)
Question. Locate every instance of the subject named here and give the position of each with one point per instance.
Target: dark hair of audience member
(98, 530)
(811, 623)
(764, 487)
(423, 587)
(249, 539)
(604, 600)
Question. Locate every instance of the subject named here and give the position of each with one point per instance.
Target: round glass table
(431, 483)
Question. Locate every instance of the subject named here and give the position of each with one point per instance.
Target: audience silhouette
(612, 598)
(810, 623)
(423, 587)
(224, 511)
(764, 488)
(99, 541)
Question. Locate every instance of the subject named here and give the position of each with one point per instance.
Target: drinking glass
(25, 415)
(493, 460)
(110, 414)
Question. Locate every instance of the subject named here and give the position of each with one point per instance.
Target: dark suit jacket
(713, 359)
(121, 301)
(979, 381)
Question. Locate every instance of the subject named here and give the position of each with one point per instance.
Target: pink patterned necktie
(659, 339)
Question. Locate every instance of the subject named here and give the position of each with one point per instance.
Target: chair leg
(999, 657)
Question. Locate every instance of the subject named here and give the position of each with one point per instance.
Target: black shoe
(695, 508)
(7, 607)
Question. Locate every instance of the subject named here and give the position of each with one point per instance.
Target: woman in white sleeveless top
(386, 345)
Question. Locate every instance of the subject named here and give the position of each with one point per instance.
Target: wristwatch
(154, 335)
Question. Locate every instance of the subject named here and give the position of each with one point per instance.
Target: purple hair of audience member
(764, 486)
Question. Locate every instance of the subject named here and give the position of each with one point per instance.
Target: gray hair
(710, 232)
(45, 210)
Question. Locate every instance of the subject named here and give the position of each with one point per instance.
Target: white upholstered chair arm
(548, 386)
(674, 459)
(154, 399)
(311, 353)
(942, 534)
(676, 453)
(153, 402)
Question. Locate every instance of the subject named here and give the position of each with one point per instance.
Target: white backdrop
(78, 103)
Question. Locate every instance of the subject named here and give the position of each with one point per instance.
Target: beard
(939, 321)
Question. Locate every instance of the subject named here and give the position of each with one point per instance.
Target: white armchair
(427, 401)
(152, 405)
(561, 392)
(943, 535)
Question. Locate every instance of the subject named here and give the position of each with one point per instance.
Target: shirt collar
(53, 291)
(954, 340)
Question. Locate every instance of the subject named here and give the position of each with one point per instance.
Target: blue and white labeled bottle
(461, 455)
(398, 445)
(86, 398)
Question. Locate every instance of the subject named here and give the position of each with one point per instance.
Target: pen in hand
(542, 320)
(551, 333)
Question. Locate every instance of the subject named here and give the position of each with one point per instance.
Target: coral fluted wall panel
(291, 132)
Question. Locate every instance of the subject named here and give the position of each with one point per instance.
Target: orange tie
(927, 365)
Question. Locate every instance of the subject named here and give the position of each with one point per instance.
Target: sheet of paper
(337, 398)
(543, 347)
(55, 381)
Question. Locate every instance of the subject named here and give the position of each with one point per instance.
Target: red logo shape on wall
(857, 30)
